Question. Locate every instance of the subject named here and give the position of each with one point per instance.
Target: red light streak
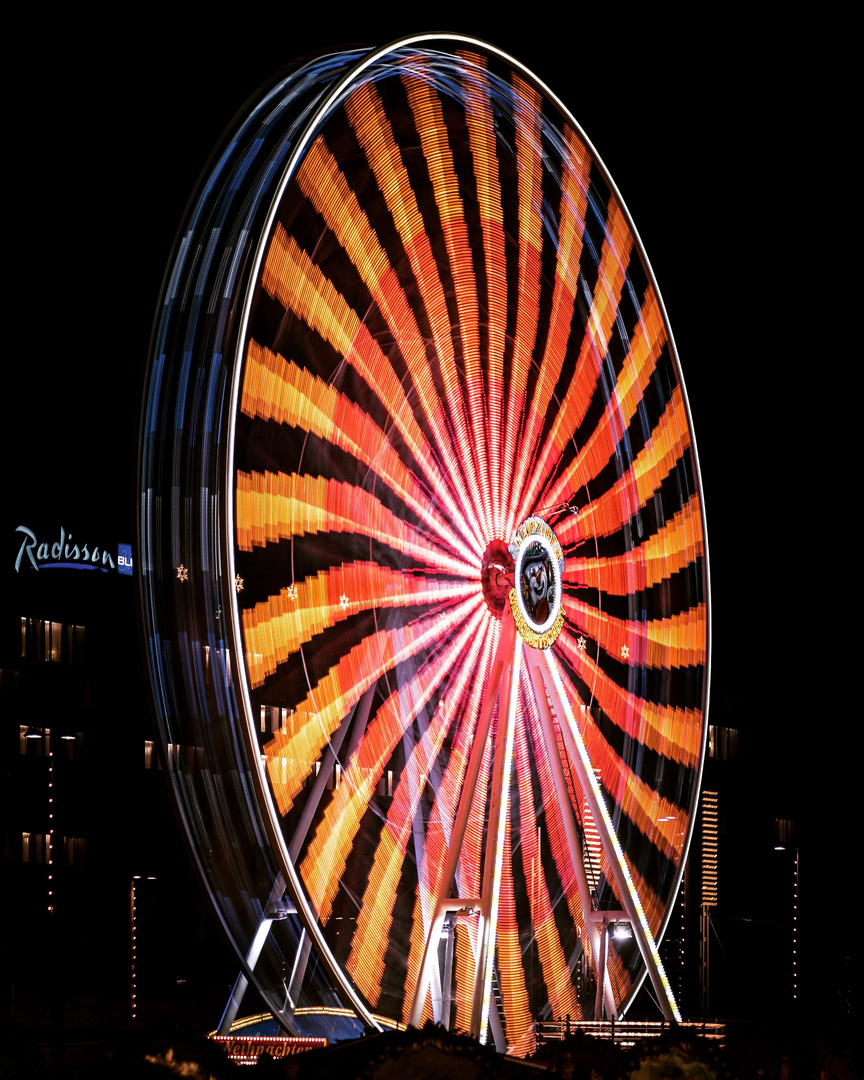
(471, 376)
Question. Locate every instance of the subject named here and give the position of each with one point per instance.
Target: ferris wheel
(424, 563)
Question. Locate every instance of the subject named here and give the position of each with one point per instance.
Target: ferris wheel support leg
(242, 981)
(298, 973)
(498, 1036)
(499, 804)
(277, 893)
(443, 904)
(411, 705)
(446, 994)
(624, 884)
(331, 751)
(571, 830)
(602, 977)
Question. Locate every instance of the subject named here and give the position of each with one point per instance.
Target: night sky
(717, 141)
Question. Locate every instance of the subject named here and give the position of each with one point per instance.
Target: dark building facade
(86, 817)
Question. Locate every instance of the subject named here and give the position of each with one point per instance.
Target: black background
(725, 140)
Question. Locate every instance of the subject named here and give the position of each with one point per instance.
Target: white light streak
(499, 840)
(610, 833)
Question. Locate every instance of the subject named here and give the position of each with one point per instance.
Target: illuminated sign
(536, 599)
(248, 1048)
(124, 559)
(67, 553)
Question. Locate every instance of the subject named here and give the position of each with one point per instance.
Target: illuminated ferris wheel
(424, 566)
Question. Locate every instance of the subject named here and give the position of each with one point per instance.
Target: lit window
(35, 847)
(73, 850)
(55, 642)
(722, 743)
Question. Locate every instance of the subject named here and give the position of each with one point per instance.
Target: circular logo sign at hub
(536, 599)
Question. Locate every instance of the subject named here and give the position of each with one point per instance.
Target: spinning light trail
(427, 319)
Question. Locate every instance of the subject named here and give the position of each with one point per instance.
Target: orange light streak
(291, 756)
(553, 962)
(639, 802)
(325, 859)
(276, 389)
(645, 348)
(326, 187)
(678, 641)
(673, 732)
(447, 797)
(481, 135)
(275, 506)
(366, 960)
(651, 905)
(605, 515)
(554, 821)
(672, 548)
(276, 627)
(465, 966)
(416, 948)
(468, 872)
(443, 814)
(371, 126)
(529, 165)
(517, 1013)
(292, 278)
(574, 185)
(429, 121)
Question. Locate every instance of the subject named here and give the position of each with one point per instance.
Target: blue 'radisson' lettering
(63, 552)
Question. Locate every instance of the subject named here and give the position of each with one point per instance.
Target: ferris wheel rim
(342, 87)
(265, 797)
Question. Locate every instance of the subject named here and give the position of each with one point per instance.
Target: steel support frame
(624, 886)
(503, 688)
(547, 687)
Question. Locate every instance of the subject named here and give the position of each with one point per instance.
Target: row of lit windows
(179, 757)
(55, 642)
(39, 848)
(710, 840)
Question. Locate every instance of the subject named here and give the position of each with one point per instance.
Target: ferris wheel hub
(538, 570)
(496, 575)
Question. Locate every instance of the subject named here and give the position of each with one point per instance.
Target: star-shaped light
(292, 592)
(343, 601)
(625, 652)
(581, 643)
(238, 583)
(182, 573)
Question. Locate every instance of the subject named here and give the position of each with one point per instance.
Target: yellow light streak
(605, 515)
(677, 641)
(276, 389)
(672, 548)
(275, 628)
(292, 278)
(366, 960)
(291, 756)
(325, 859)
(610, 833)
(276, 506)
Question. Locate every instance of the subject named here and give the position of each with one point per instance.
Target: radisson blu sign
(66, 552)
